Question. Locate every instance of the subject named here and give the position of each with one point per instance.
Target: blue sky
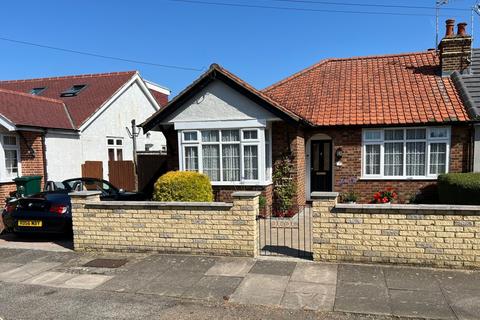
(261, 46)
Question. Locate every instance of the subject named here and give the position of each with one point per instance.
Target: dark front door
(321, 166)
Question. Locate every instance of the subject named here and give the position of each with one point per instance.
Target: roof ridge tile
(86, 75)
(327, 60)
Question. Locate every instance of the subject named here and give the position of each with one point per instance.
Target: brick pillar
(322, 205)
(246, 209)
(78, 200)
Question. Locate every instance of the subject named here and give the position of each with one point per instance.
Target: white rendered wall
(132, 104)
(219, 102)
(64, 156)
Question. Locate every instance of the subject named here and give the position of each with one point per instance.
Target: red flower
(377, 196)
(385, 200)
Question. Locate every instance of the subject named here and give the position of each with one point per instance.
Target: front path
(237, 282)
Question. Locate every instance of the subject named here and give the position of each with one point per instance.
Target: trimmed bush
(459, 188)
(183, 186)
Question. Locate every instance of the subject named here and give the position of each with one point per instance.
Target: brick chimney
(455, 49)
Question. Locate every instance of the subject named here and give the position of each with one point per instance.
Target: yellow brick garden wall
(192, 228)
(427, 235)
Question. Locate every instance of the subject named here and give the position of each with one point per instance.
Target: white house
(56, 124)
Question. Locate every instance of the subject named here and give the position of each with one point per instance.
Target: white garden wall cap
(408, 207)
(246, 194)
(83, 194)
(323, 195)
(156, 204)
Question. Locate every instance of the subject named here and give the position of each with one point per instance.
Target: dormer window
(73, 91)
(37, 91)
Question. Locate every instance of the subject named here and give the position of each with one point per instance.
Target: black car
(50, 211)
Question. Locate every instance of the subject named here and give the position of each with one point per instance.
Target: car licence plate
(29, 223)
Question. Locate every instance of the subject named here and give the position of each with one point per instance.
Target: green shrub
(183, 186)
(459, 188)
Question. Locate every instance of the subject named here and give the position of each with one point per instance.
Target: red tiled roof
(100, 87)
(377, 90)
(161, 98)
(28, 110)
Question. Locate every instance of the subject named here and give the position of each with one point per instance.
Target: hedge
(459, 188)
(183, 186)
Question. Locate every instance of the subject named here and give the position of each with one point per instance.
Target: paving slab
(420, 304)
(50, 278)
(310, 296)
(172, 283)
(7, 266)
(353, 273)
(465, 304)
(277, 268)
(198, 264)
(362, 298)
(7, 253)
(411, 279)
(140, 274)
(262, 289)
(231, 267)
(26, 256)
(86, 281)
(213, 288)
(458, 280)
(27, 271)
(315, 272)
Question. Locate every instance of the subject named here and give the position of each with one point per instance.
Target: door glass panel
(316, 156)
(326, 156)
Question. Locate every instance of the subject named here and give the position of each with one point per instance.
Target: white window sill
(245, 183)
(400, 178)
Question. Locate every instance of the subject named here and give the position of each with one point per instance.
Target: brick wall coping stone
(418, 208)
(155, 205)
(324, 195)
(246, 194)
(83, 194)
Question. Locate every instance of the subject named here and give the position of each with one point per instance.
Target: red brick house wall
(350, 140)
(32, 163)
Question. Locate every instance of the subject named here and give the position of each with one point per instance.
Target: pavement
(274, 286)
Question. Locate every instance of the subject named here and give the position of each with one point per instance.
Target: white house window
(11, 150)
(227, 156)
(191, 158)
(115, 149)
(405, 153)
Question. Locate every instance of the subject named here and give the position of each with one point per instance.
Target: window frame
(115, 147)
(4, 175)
(259, 142)
(381, 141)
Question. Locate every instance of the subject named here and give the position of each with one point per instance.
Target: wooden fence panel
(122, 174)
(92, 169)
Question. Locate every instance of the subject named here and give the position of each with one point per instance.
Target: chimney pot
(462, 29)
(450, 28)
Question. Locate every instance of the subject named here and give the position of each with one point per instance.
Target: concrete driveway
(36, 242)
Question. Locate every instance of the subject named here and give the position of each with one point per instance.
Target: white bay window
(405, 153)
(228, 156)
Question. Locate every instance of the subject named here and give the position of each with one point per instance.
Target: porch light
(339, 154)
